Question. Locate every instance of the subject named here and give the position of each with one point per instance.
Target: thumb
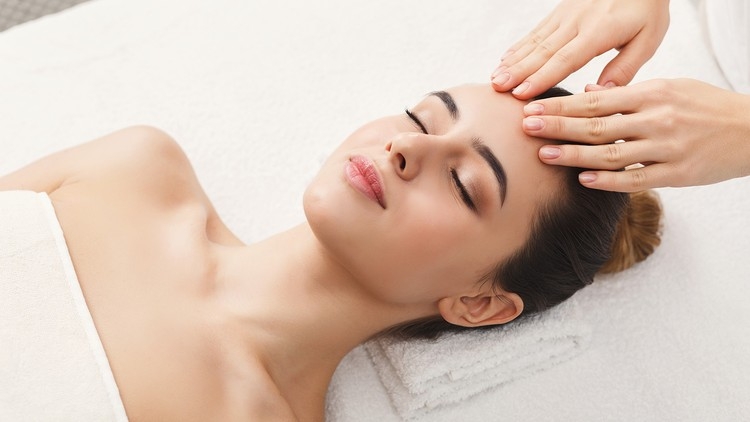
(622, 69)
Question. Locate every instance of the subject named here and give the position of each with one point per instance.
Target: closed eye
(454, 175)
(416, 121)
(462, 190)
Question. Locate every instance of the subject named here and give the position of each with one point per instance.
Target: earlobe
(480, 310)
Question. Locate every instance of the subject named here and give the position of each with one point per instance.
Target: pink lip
(362, 174)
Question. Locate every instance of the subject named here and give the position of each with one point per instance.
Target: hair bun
(638, 232)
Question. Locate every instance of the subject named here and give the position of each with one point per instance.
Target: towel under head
(421, 375)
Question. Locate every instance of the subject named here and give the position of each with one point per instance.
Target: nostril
(388, 146)
(401, 161)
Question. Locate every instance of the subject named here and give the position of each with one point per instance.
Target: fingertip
(533, 124)
(533, 109)
(587, 177)
(498, 88)
(525, 91)
(500, 69)
(500, 79)
(520, 89)
(549, 153)
(531, 87)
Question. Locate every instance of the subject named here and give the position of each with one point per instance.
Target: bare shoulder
(141, 159)
(124, 151)
(141, 163)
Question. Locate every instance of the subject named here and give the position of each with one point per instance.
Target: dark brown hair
(575, 235)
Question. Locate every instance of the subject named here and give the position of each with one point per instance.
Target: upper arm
(117, 156)
(141, 164)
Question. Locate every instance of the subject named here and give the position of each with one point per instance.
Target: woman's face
(420, 207)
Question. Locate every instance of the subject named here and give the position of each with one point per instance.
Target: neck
(300, 311)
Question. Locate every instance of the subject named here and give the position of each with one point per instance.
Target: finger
(626, 99)
(524, 47)
(590, 130)
(634, 180)
(622, 69)
(503, 79)
(544, 71)
(602, 157)
(539, 28)
(595, 87)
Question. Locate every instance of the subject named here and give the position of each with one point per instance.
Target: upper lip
(370, 172)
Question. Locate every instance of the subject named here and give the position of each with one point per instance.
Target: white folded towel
(421, 375)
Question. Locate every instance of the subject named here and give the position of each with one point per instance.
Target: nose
(410, 152)
(407, 152)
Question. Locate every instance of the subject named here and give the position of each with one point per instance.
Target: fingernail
(533, 123)
(533, 108)
(501, 79)
(549, 152)
(498, 71)
(507, 53)
(521, 88)
(610, 84)
(587, 177)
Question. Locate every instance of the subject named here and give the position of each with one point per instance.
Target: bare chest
(143, 272)
(147, 278)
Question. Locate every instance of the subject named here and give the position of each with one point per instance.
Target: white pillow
(728, 25)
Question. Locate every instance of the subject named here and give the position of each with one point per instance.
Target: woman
(440, 213)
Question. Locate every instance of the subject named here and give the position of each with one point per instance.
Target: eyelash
(416, 121)
(454, 175)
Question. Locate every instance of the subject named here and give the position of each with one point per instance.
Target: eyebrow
(449, 103)
(479, 146)
(497, 168)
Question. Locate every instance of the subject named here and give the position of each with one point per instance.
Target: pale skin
(199, 326)
(678, 132)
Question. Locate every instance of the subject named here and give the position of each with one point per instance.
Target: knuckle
(572, 153)
(672, 151)
(554, 107)
(546, 48)
(596, 126)
(625, 71)
(659, 90)
(592, 101)
(666, 119)
(613, 154)
(638, 178)
(556, 126)
(563, 57)
(536, 38)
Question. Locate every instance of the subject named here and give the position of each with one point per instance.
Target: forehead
(496, 118)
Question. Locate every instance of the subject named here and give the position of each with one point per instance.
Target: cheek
(431, 249)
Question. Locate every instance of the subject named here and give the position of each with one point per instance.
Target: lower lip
(356, 174)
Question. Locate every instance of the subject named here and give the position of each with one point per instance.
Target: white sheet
(258, 91)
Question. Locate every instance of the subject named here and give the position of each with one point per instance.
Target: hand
(577, 31)
(682, 132)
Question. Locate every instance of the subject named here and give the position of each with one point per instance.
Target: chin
(325, 205)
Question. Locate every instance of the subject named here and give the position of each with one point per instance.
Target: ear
(483, 309)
